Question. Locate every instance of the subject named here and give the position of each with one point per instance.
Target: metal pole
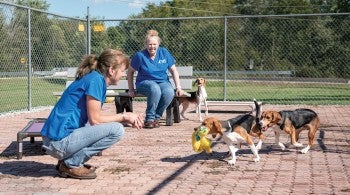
(88, 33)
(225, 58)
(29, 63)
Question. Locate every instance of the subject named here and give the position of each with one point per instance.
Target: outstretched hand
(136, 120)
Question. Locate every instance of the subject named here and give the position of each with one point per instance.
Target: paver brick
(161, 161)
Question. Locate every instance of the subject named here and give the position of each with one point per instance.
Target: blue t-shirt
(70, 111)
(155, 70)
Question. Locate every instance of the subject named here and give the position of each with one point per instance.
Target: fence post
(88, 32)
(29, 62)
(225, 57)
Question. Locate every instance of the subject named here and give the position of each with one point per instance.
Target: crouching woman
(76, 128)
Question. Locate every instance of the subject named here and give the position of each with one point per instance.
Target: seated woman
(152, 64)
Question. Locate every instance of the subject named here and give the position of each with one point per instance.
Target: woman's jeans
(83, 143)
(159, 96)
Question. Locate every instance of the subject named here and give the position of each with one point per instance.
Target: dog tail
(257, 111)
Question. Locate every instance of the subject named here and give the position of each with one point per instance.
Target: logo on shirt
(162, 61)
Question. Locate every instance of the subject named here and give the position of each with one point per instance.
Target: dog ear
(218, 126)
(194, 82)
(276, 117)
(204, 82)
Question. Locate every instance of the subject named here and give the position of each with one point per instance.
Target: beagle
(291, 122)
(198, 97)
(237, 130)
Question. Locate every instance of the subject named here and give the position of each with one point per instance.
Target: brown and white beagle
(198, 97)
(237, 130)
(291, 122)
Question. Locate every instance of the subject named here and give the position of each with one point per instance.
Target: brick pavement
(161, 161)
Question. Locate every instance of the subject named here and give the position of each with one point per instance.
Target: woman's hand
(132, 93)
(136, 120)
(179, 92)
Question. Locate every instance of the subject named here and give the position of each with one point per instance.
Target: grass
(282, 92)
(14, 92)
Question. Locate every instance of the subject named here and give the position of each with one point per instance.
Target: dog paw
(305, 150)
(256, 159)
(297, 144)
(282, 146)
(232, 162)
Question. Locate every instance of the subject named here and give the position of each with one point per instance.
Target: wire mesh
(275, 59)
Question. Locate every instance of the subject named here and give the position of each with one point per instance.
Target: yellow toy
(199, 140)
(109, 99)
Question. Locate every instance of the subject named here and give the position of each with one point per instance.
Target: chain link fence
(284, 59)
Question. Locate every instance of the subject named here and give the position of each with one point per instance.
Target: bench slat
(233, 103)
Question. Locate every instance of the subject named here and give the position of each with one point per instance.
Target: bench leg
(20, 137)
(19, 149)
(123, 103)
(172, 113)
(169, 115)
(118, 105)
(128, 105)
(176, 110)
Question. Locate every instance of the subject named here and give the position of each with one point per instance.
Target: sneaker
(149, 125)
(76, 173)
(88, 166)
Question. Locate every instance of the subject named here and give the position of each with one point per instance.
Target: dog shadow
(202, 156)
(225, 156)
(222, 156)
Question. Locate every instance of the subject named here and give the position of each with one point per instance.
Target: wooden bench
(123, 102)
(249, 104)
(32, 130)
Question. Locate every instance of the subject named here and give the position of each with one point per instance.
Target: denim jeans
(83, 143)
(159, 96)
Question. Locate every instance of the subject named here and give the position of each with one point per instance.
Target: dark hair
(108, 58)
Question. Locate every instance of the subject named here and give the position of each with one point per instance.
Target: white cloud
(136, 4)
(133, 4)
(100, 1)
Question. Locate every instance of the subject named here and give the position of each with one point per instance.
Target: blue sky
(107, 9)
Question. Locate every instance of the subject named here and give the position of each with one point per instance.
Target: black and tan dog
(237, 130)
(291, 122)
